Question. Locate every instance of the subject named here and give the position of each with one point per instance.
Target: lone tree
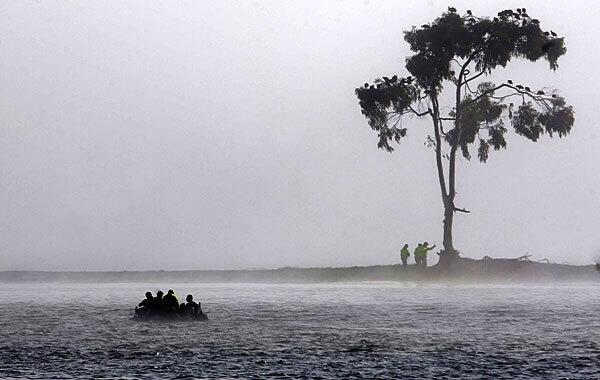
(462, 50)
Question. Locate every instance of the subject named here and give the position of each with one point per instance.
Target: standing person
(404, 255)
(425, 250)
(417, 254)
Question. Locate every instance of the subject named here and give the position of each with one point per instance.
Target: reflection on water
(341, 331)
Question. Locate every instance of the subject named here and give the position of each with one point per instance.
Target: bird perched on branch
(509, 81)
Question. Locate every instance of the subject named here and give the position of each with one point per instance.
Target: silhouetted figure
(145, 306)
(170, 302)
(157, 305)
(191, 306)
(404, 255)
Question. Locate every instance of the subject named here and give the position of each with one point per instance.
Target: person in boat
(145, 306)
(157, 305)
(424, 250)
(170, 302)
(191, 306)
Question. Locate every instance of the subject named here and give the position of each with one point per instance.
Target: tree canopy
(459, 49)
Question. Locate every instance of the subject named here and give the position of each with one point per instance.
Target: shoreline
(465, 271)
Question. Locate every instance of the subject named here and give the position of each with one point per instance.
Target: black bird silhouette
(394, 78)
(554, 95)
(424, 26)
(452, 9)
(527, 89)
(519, 10)
(519, 87)
(523, 10)
(469, 12)
(553, 34)
(510, 81)
(366, 85)
(540, 92)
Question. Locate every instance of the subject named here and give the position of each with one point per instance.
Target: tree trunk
(448, 219)
(448, 256)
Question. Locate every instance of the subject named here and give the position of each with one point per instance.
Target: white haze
(156, 135)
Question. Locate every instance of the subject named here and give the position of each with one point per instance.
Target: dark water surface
(311, 331)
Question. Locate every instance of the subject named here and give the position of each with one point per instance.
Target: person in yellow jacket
(404, 255)
(424, 250)
(418, 254)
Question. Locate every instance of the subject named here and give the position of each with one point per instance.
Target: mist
(226, 135)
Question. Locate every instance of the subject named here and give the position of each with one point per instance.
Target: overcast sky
(215, 134)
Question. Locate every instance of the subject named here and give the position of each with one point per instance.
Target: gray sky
(141, 135)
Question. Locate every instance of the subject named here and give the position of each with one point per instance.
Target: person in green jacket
(404, 255)
(424, 250)
(418, 254)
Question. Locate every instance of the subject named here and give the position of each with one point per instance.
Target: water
(310, 331)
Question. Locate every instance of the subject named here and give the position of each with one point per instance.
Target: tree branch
(538, 98)
(420, 113)
(461, 210)
(476, 76)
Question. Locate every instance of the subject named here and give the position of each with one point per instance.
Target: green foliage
(376, 102)
(556, 118)
(482, 113)
(482, 44)
(487, 42)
